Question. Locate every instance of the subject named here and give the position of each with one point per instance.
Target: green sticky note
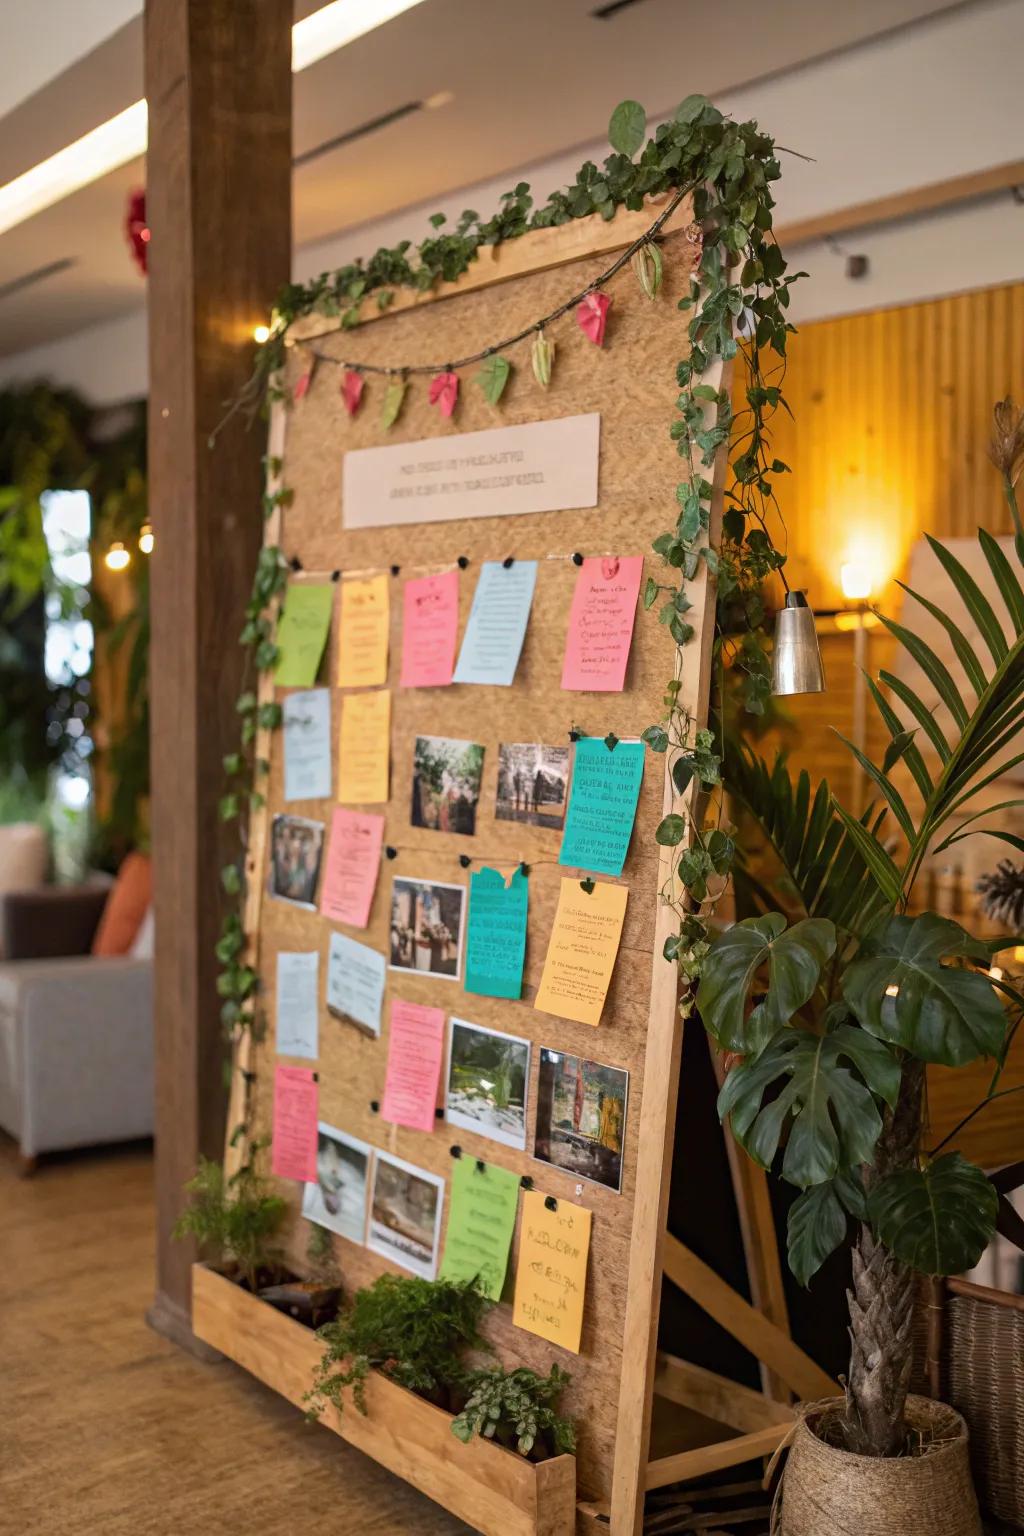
(602, 804)
(302, 633)
(496, 941)
(481, 1220)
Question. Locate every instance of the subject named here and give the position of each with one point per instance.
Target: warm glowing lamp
(146, 538)
(261, 333)
(116, 557)
(855, 581)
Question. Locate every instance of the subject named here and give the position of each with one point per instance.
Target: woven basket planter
(983, 1377)
(829, 1492)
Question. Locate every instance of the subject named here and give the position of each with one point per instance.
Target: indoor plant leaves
(493, 377)
(816, 1225)
(938, 1219)
(941, 1013)
(627, 127)
(794, 956)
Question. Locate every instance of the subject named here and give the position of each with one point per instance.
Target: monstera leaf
(901, 991)
(815, 1228)
(938, 1219)
(794, 958)
(834, 1110)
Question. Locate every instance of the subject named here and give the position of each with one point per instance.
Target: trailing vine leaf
(627, 127)
(394, 395)
(794, 958)
(493, 377)
(938, 1219)
(815, 1227)
(939, 1012)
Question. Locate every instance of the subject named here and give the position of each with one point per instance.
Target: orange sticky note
(551, 1276)
(364, 748)
(363, 632)
(581, 950)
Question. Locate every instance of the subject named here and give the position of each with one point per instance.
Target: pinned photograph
(487, 1077)
(581, 1117)
(446, 784)
(296, 851)
(533, 782)
(405, 1215)
(426, 927)
(338, 1198)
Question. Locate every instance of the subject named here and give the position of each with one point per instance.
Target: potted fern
(832, 1012)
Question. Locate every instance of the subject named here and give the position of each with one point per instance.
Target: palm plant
(836, 1009)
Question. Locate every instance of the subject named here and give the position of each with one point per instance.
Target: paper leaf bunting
(592, 315)
(444, 391)
(352, 385)
(392, 407)
(493, 377)
(304, 380)
(542, 355)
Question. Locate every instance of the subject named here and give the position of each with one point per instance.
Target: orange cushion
(126, 906)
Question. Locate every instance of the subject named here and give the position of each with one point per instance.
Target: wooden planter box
(491, 1489)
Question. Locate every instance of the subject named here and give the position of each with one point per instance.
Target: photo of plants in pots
(830, 1012)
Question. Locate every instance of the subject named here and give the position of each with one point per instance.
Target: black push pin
(611, 741)
(508, 562)
(587, 885)
(455, 1151)
(524, 869)
(465, 860)
(335, 575)
(481, 1166)
(577, 558)
(574, 734)
(395, 570)
(550, 1203)
(462, 562)
(439, 1113)
(391, 853)
(526, 1182)
(374, 1106)
(295, 563)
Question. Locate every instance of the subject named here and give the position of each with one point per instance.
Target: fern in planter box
(517, 1409)
(235, 1221)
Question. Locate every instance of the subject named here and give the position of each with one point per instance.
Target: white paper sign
(355, 981)
(297, 976)
(541, 466)
(306, 716)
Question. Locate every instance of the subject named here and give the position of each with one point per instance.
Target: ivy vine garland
(743, 292)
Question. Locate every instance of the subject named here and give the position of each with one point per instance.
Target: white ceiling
(529, 79)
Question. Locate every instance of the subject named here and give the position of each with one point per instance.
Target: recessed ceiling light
(123, 138)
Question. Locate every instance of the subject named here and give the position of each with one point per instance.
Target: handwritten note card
(430, 629)
(601, 624)
(296, 1097)
(302, 633)
(481, 1220)
(364, 748)
(355, 982)
(353, 864)
(602, 805)
(551, 1277)
(363, 632)
(297, 985)
(415, 1049)
(306, 718)
(496, 945)
(497, 623)
(581, 951)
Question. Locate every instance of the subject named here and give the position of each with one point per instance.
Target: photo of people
(426, 927)
(581, 1117)
(532, 784)
(446, 784)
(338, 1198)
(405, 1215)
(296, 849)
(487, 1077)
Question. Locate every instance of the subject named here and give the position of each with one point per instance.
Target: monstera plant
(831, 1013)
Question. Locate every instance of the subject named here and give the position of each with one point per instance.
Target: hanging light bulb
(146, 538)
(796, 659)
(116, 557)
(260, 334)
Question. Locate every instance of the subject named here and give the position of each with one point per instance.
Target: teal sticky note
(302, 633)
(497, 623)
(496, 943)
(602, 804)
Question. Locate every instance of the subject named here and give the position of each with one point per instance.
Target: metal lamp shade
(796, 659)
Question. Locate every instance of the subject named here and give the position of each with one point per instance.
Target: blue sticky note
(602, 804)
(497, 623)
(496, 944)
(306, 718)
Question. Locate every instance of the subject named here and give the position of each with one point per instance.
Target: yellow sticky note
(363, 632)
(581, 950)
(364, 748)
(551, 1276)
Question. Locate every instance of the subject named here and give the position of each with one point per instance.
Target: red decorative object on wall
(136, 228)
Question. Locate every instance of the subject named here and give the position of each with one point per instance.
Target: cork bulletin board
(629, 383)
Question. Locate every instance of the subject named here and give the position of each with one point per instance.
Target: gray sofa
(76, 1030)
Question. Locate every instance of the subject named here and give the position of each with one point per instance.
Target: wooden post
(218, 83)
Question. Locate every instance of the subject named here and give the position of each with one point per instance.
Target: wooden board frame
(653, 1109)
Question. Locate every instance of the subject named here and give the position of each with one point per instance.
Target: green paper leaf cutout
(393, 397)
(493, 377)
(938, 1220)
(627, 127)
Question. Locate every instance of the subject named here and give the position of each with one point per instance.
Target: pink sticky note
(601, 624)
(430, 630)
(296, 1100)
(352, 867)
(415, 1049)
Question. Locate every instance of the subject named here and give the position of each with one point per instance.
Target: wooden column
(218, 83)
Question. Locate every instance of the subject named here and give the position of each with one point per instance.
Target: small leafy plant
(235, 1220)
(413, 1331)
(321, 1262)
(517, 1408)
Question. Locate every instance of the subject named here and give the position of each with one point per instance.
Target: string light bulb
(146, 538)
(116, 557)
(260, 334)
(856, 581)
